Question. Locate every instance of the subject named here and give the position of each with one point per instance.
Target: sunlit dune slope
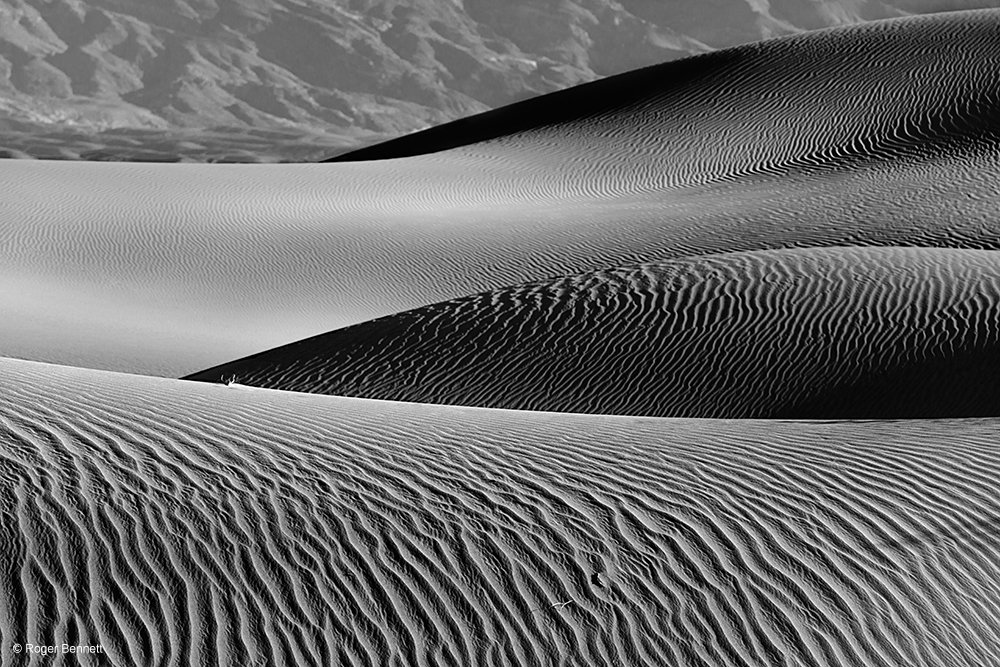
(181, 523)
(809, 333)
(883, 134)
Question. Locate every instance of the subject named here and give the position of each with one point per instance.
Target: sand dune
(804, 227)
(182, 523)
(879, 135)
(828, 99)
(807, 333)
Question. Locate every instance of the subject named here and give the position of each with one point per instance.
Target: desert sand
(818, 333)
(878, 135)
(693, 366)
(183, 523)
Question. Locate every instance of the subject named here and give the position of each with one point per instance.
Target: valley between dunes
(695, 365)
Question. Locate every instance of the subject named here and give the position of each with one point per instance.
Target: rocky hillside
(296, 79)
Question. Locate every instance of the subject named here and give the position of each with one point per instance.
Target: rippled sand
(184, 523)
(517, 445)
(805, 333)
(878, 135)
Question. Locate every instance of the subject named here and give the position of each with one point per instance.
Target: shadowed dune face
(827, 100)
(813, 333)
(881, 135)
(182, 523)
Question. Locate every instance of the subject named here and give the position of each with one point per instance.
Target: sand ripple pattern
(181, 523)
(828, 101)
(807, 333)
(880, 135)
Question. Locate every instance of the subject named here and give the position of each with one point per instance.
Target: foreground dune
(879, 135)
(182, 523)
(806, 333)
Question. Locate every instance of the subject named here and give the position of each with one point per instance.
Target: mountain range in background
(299, 80)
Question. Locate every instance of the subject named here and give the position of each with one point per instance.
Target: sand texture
(186, 523)
(806, 333)
(271, 80)
(696, 366)
(878, 135)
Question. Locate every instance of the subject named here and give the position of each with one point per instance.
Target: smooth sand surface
(878, 135)
(180, 523)
(804, 333)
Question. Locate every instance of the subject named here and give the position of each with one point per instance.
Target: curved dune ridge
(877, 135)
(808, 333)
(867, 83)
(181, 523)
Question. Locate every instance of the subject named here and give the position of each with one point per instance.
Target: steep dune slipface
(182, 523)
(808, 333)
(884, 134)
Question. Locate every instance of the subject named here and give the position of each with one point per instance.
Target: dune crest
(807, 333)
(832, 99)
(180, 523)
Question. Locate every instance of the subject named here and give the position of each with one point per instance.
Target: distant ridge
(773, 72)
(274, 80)
(819, 333)
(570, 105)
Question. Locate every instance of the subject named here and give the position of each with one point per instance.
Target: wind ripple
(178, 523)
